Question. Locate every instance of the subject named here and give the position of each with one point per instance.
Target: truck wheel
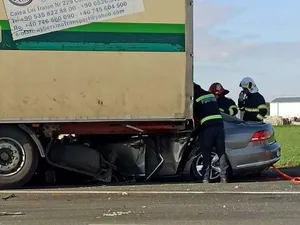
(18, 158)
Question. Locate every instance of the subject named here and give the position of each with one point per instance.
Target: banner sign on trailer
(29, 18)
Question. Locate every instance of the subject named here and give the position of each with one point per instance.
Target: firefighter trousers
(213, 137)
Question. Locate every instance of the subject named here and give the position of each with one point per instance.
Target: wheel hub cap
(4, 157)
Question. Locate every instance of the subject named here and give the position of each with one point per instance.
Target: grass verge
(289, 139)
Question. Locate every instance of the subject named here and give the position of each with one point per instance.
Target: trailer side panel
(128, 68)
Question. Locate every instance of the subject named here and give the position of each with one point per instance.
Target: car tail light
(261, 136)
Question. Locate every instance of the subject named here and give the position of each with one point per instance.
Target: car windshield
(231, 119)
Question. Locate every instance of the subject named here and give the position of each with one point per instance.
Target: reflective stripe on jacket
(254, 107)
(206, 108)
(227, 105)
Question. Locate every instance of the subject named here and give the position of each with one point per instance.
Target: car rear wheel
(215, 167)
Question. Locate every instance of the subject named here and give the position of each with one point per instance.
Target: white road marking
(127, 192)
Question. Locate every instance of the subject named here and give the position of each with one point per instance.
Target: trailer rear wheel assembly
(18, 157)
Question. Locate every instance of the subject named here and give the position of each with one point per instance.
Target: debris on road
(131, 181)
(8, 197)
(115, 214)
(11, 214)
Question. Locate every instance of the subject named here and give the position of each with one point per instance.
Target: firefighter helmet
(218, 89)
(249, 84)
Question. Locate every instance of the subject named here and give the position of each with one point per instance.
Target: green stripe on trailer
(95, 41)
(164, 28)
(139, 37)
(131, 28)
(4, 25)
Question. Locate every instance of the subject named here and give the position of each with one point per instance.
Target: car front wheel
(214, 171)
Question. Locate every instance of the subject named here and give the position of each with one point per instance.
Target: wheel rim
(215, 167)
(12, 157)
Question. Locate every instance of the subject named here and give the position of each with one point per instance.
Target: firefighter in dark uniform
(251, 102)
(211, 131)
(226, 105)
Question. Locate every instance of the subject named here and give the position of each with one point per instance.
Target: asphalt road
(276, 202)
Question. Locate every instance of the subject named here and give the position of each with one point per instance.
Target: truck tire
(18, 157)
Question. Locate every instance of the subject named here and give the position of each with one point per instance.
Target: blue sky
(256, 38)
